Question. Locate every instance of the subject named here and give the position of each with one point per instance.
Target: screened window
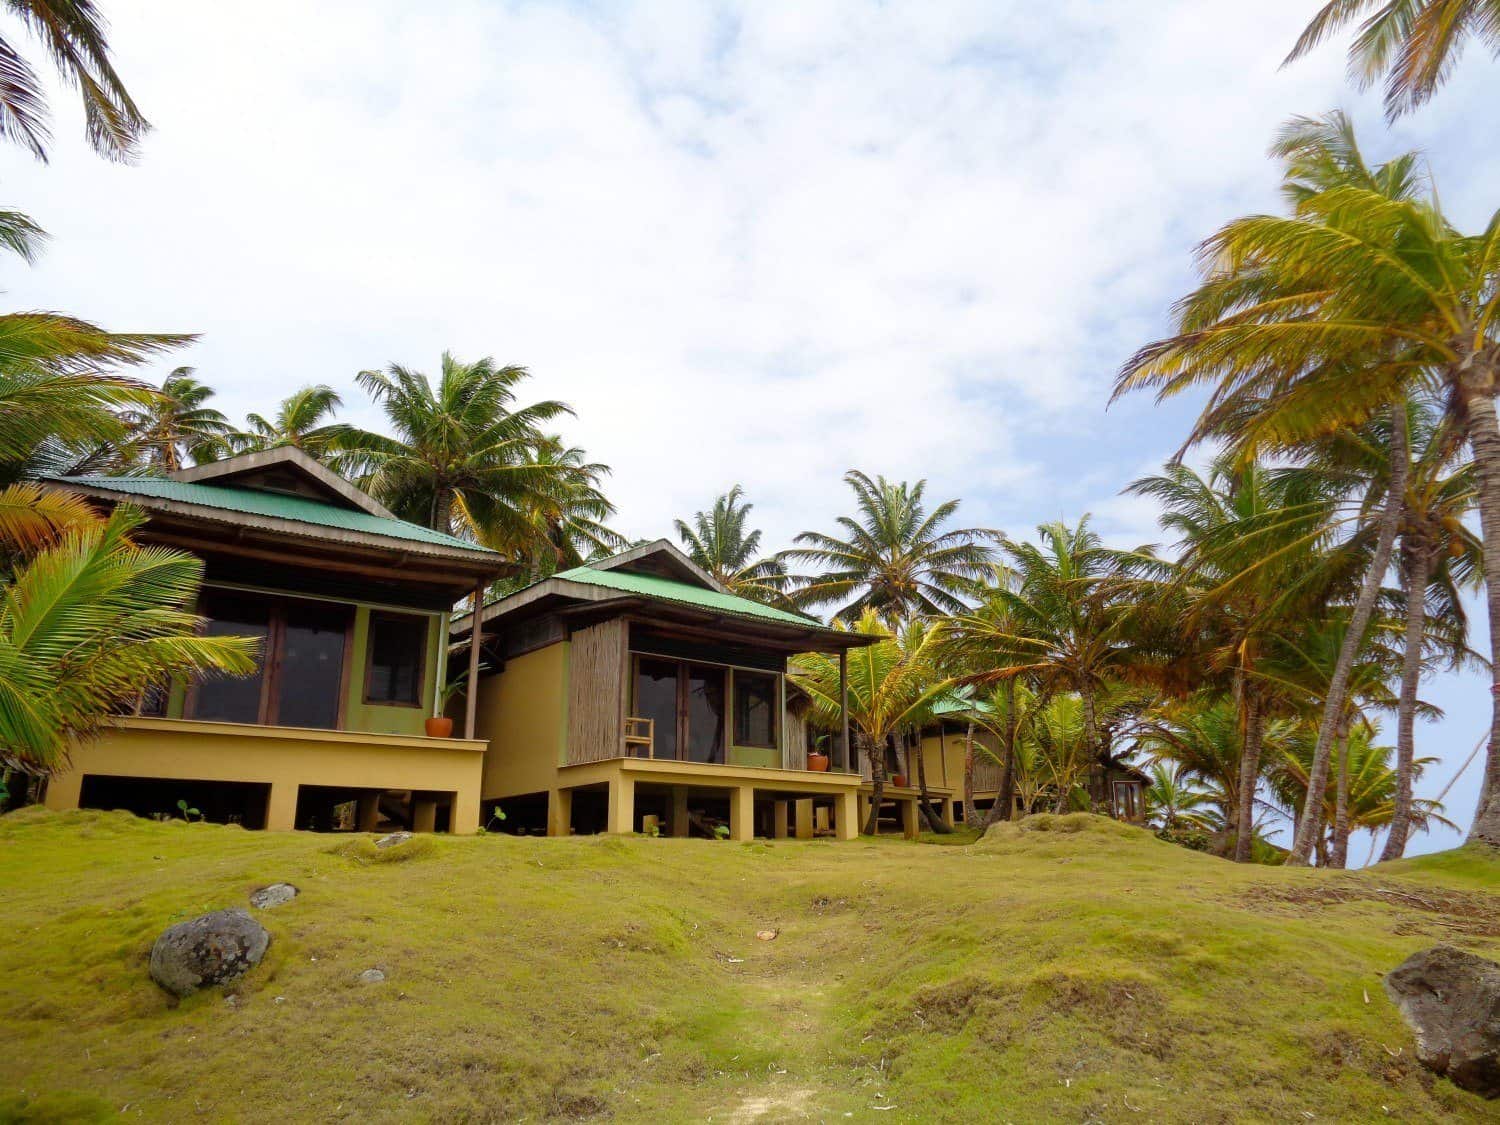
(755, 709)
(397, 644)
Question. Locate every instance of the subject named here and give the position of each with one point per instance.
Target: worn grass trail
(1074, 970)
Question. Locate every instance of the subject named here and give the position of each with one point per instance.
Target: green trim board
(269, 505)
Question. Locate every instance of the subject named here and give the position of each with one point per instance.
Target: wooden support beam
(805, 819)
(621, 816)
(742, 813)
(471, 691)
(679, 825)
(846, 815)
(779, 820)
(560, 812)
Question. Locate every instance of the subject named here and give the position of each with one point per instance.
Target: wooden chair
(640, 737)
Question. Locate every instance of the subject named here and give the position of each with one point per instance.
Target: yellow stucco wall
(950, 757)
(284, 758)
(522, 714)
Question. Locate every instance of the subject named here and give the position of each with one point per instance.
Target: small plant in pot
(440, 725)
(817, 757)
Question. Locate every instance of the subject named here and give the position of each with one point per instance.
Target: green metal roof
(651, 586)
(274, 505)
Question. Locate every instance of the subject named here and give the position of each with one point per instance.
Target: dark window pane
(154, 700)
(705, 714)
(312, 665)
(656, 699)
(233, 699)
(396, 649)
(754, 709)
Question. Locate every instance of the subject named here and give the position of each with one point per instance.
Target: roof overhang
(320, 479)
(582, 603)
(201, 529)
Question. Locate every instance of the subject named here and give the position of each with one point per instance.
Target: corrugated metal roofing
(274, 505)
(651, 586)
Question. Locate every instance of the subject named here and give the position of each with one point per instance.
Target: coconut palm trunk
(875, 754)
(1359, 620)
(1005, 798)
(1338, 856)
(1477, 387)
(934, 822)
(1244, 830)
(1417, 570)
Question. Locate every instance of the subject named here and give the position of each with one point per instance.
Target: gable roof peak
(661, 559)
(268, 469)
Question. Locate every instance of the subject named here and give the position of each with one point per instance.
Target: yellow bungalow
(636, 694)
(352, 607)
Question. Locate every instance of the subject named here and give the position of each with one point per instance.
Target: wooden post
(844, 707)
(471, 691)
(910, 823)
(680, 826)
(559, 812)
(742, 813)
(779, 819)
(805, 819)
(846, 815)
(621, 816)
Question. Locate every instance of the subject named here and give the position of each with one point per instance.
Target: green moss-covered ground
(1072, 969)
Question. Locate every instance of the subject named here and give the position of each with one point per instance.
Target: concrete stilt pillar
(948, 813)
(281, 807)
(63, 789)
(805, 819)
(679, 811)
(463, 815)
(779, 819)
(423, 813)
(560, 812)
(846, 813)
(742, 813)
(367, 815)
(911, 823)
(621, 816)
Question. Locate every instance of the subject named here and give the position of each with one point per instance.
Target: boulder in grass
(216, 948)
(393, 839)
(1452, 1001)
(274, 895)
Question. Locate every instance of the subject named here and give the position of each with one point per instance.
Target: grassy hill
(1071, 969)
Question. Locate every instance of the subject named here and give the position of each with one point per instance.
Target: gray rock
(211, 949)
(393, 839)
(1452, 1001)
(371, 976)
(274, 895)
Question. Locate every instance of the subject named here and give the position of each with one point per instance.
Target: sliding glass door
(687, 706)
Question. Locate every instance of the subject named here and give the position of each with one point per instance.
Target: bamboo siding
(596, 692)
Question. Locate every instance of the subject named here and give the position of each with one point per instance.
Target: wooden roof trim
(288, 456)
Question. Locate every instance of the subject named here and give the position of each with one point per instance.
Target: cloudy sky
(757, 244)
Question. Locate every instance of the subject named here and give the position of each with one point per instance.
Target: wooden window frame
(734, 698)
(272, 653)
(375, 614)
(731, 671)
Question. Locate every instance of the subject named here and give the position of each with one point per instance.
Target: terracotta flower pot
(899, 781)
(439, 726)
(818, 763)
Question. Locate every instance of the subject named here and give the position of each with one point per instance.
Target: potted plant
(899, 781)
(817, 758)
(440, 725)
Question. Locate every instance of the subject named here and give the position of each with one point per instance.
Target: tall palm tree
(1329, 317)
(176, 426)
(563, 520)
(72, 36)
(1414, 44)
(895, 556)
(1174, 800)
(1250, 568)
(89, 623)
(891, 685)
(717, 541)
(460, 458)
(303, 420)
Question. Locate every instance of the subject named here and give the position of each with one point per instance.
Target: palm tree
(895, 557)
(89, 623)
(892, 684)
(1174, 800)
(1250, 569)
(1327, 318)
(717, 541)
(1413, 43)
(460, 458)
(72, 35)
(176, 426)
(563, 521)
(303, 420)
